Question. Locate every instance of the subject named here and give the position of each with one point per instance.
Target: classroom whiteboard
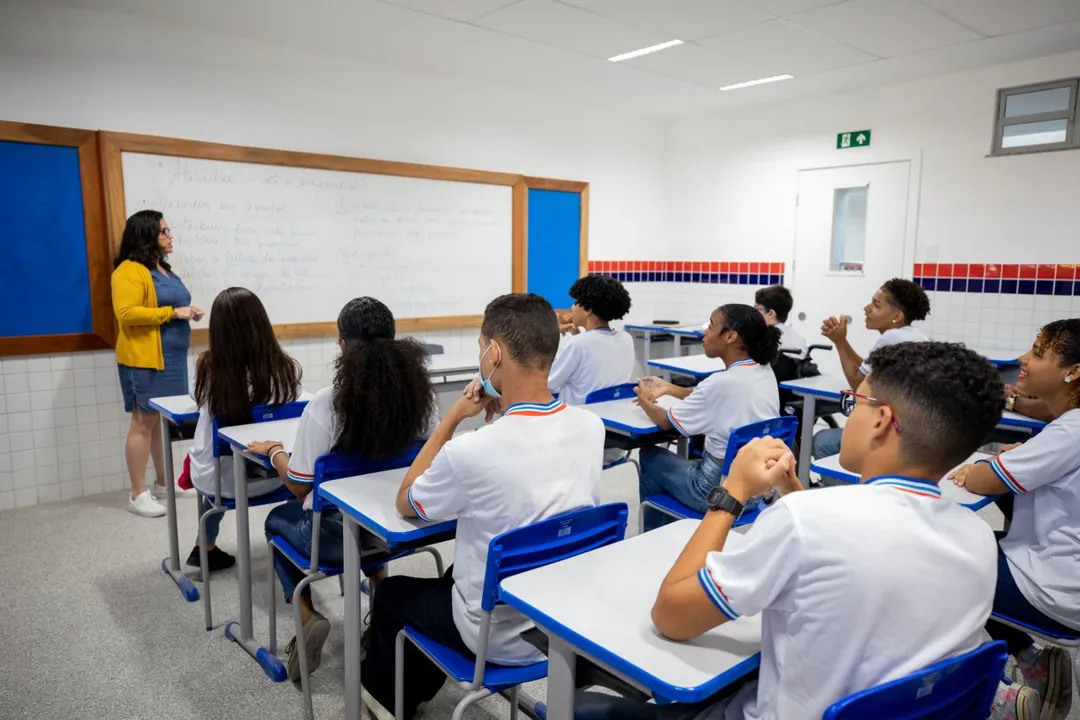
(306, 240)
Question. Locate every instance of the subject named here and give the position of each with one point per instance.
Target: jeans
(213, 523)
(688, 481)
(293, 523)
(826, 443)
(1009, 601)
(426, 605)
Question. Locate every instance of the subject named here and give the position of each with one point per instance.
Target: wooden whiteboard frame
(113, 145)
(98, 256)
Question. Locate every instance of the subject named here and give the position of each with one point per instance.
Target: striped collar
(741, 363)
(913, 486)
(605, 331)
(535, 409)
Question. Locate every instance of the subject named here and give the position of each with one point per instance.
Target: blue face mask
(485, 382)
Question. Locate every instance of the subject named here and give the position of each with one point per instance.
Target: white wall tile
(64, 398)
(86, 396)
(37, 364)
(47, 474)
(89, 431)
(113, 464)
(61, 362)
(83, 361)
(67, 435)
(86, 414)
(67, 454)
(92, 486)
(17, 402)
(91, 467)
(7, 482)
(13, 365)
(89, 450)
(116, 481)
(71, 489)
(44, 438)
(21, 441)
(41, 400)
(43, 419)
(19, 382)
(24, 478)
(70, 471)
(106, 377)
(44, 457)
(20, 422)
(7, 500)
(48, 493)
(84, 377)
(26, 497)
(105, 360)
(22, 460)
(5, 462)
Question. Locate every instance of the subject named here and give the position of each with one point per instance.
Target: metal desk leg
(353, 618)
(676, 341)
(562, 665)
(806, 438)
(171, 564)
(646, 343)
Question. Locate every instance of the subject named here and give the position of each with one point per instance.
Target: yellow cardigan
(138, 317)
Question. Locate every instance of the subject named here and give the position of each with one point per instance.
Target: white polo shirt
(315, 436)
(1043, 544)
(591, 361)
(894, 336)
(790, 339)
(202, 464)
(534, 462)
(744, 393)
(856, 586)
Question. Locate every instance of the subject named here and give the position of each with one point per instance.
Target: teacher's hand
(184, 313)
(197, 313)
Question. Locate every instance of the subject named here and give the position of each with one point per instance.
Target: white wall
(733, 186)
(61, 424)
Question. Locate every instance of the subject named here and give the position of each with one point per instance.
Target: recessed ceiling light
(762, 81)
(645, 51)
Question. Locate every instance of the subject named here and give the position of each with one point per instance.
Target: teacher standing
(153, 310)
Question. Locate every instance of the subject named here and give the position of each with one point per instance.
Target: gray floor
(91, 627)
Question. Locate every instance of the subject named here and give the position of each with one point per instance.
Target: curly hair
(761, 341)
(139, 242)
(947, 399)
(907, 297)
(383, 399)
(526, 324)
(1063, 338)
(603, 296)
(776, 298)
(244, 365)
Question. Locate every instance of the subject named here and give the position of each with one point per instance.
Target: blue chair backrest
(549, 541)
(961, 687)
(615, 392)
(333, 466)
(782, 428)
(259, 413)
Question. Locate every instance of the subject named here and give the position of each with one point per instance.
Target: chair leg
(301, 646)
(436, 556)
(399, 676)
(341, 583)
(272, 601)
(514, 703)
(204, 562)
(469, 699)
(637, 467)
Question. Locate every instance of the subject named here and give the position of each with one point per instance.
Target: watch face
(712, 500)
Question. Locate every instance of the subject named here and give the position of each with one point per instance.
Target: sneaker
(145, 504)
(216, 558)
(1015, 702)
(375, 709)
(315, 631)
(1048, 671)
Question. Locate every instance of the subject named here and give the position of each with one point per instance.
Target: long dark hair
(245, 364)
(761, 341)
(140, 241)
(383, 400)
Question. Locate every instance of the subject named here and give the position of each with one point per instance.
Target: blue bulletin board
(555, 243)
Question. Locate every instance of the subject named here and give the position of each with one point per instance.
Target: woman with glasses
(153, 310)
(746, 392)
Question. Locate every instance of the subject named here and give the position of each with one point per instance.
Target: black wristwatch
(720, 499)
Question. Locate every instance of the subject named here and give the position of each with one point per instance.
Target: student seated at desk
(1038, 558)
(775, 303)
(541, 458)
(380, 404)
(857, 585)
(895, 305)
(243, 366)
(599, 357)
(744, 393)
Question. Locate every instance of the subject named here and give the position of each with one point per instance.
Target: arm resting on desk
(850, 362)
(442, 435)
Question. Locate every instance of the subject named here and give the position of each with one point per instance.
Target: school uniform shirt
(744, 393)
(856, 586)
(590, 361)
(1043, 543)
(894, 336)
(202, 464)
(534, 462)
(790, 339)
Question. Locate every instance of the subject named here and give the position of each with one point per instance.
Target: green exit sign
(857, 138)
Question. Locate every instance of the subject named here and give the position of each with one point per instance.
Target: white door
(851, 225)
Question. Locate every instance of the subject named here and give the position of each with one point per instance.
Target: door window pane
(1041, 101)
(849, 229)
(1036, 133)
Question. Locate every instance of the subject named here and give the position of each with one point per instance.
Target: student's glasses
(166, 232)
(847, 405)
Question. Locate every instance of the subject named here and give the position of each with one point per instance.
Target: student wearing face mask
(891, 310)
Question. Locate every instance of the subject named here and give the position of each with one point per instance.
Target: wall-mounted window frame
(1016, 132)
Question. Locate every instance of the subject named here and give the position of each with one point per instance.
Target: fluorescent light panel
(762, 81)
(646, 51)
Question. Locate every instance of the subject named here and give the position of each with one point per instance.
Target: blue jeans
(293, 523)
(826, 443)
(688, 481)
(213, 523)
(1008, 600)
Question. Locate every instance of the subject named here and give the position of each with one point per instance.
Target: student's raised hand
(474, 390)
(264, 447)
(467, 407)
(835, 328)
(762, 464)
(959, 475)
(653, 387)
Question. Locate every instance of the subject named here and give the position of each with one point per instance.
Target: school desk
(627, 426)
(830, 467)
(649, 332)
(810, 389)
(697, 367)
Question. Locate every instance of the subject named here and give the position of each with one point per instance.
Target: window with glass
(848, 248)
(1036, 118)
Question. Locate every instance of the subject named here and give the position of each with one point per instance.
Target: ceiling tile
(696, 64)
(783, 8)
(886, 28)
(998, 17)
(683, 19)
(568, 27)
(786, 48)
(453, 9)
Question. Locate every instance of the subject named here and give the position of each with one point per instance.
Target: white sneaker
(145, 504)
(375, 710)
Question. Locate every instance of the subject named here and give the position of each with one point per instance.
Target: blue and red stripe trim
(716, 595)
(912, 486)
(1004, 475)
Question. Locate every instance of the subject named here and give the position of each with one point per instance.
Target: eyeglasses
(166, 232)
(847, 405)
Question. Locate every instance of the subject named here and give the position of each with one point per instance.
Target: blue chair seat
(671, 506)
(301, 560)
(496, 677)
